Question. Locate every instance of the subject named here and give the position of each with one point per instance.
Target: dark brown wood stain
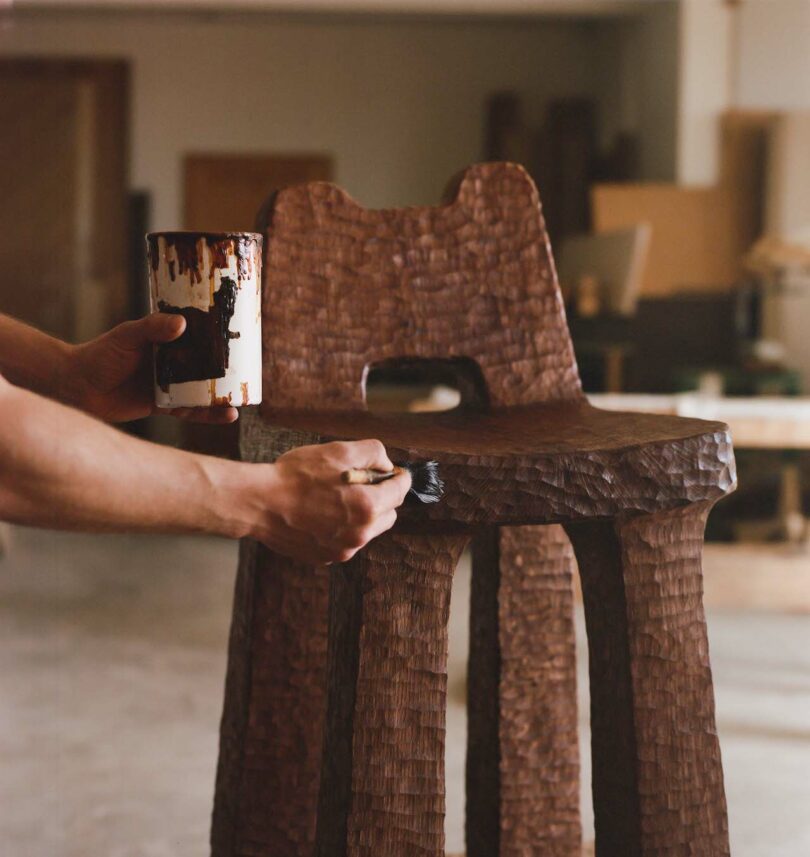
(332, 739)
(202, 351)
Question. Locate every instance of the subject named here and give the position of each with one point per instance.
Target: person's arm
(60, 468)
(30, 358)
(109, 377)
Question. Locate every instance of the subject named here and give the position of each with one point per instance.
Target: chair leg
(523, 752)
(657, 775)
(382, 790)
(271, 734)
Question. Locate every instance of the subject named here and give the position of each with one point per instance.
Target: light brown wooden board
(223, 192)
(700, 234)
(693, 246)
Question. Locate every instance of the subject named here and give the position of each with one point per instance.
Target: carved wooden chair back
(347, 288)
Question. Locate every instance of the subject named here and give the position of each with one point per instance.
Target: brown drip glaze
(245, 395)
(189, 257)
(153, 250)
(188, 250)
(220, 253)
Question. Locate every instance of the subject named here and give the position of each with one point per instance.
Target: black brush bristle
(426, 484)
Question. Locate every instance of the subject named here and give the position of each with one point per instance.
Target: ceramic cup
(214, 281)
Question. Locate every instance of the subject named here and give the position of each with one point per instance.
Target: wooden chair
(333, 729)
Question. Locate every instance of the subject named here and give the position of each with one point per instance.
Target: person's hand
(111, 376)
(315, 517)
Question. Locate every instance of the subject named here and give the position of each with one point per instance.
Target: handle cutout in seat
(414, 384)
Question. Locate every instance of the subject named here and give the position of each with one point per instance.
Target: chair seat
(544, 463)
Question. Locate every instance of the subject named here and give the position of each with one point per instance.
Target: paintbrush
(426, 485)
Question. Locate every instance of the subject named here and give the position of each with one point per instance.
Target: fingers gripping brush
(426, 484)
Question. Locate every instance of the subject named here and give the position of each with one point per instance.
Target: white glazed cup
(214, 281)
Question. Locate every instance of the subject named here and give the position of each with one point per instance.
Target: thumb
(157, 327)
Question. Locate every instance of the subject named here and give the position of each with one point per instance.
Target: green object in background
(740, 382)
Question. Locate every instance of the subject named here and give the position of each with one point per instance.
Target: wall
(398, 104)
(704, 87)
(773, 73)
(636, 59)
(773, 44)
(656, 44)
(754, 55)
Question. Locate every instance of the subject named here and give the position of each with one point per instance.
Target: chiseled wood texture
(397, 771)
(333, 728)
(382, 789)
(346, 287)
(523, 752)
(543, 463)
(282, 748)
(657, 777)
(273, 720)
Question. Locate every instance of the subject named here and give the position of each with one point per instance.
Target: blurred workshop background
(670, 140)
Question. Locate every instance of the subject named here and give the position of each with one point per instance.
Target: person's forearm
(34, 360)
(60, 468)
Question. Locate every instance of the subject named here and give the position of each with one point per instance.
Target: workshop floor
(112, 654)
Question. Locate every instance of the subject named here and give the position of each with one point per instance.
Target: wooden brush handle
(368, 476)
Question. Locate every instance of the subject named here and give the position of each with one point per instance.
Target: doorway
(63, 186)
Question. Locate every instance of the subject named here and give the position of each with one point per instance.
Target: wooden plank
(761, 422)
(745, 137)
(764, 577)
(694, 244)
(224, 192)
(700, 234)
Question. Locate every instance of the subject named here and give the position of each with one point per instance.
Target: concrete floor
(112, 655)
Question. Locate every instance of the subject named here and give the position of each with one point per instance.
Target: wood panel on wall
(745, 138)
(694, 244)
(63, 157)
(700, 234)
(223, 193)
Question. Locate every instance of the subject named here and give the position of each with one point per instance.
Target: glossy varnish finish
(333, 729)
